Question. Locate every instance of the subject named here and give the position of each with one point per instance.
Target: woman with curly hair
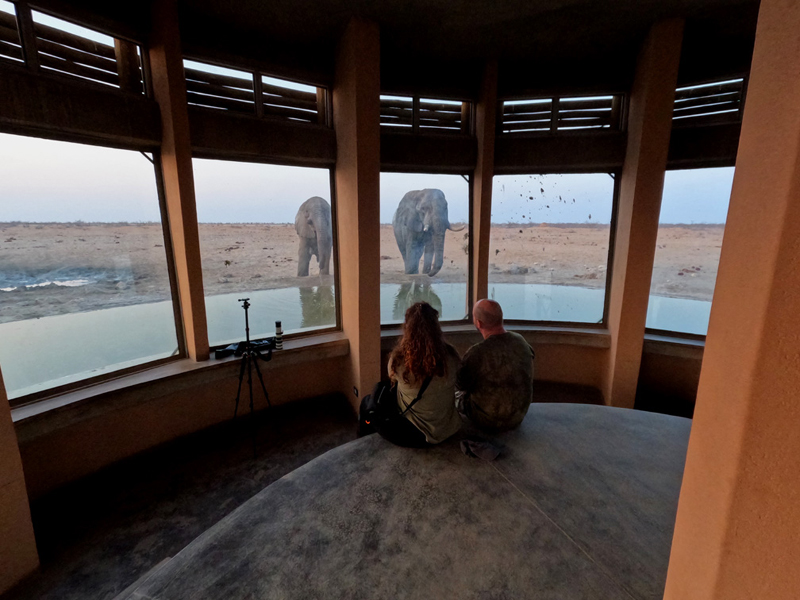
(422, 354)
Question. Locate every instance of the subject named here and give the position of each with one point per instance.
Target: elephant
(318, 306)
(411, 292)
(313, 226)
(419, 227)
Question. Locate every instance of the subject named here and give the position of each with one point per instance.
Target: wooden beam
(169, 90)
(27, 35)
(130, 74)
(356, 114)
(638, 207)
(70, 110)
(480, 225)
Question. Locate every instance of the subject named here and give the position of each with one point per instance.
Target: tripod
(250, 357)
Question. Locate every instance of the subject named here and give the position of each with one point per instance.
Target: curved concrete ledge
(580, 505)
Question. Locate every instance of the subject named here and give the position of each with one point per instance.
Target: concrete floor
(580, 505)
(99, 535)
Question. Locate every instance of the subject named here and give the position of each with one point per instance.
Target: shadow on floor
(99, 535)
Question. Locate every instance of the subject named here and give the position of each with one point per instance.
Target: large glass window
(549, 244)
(424, 244)
(266, 233)
(84, 284)
(694, 207)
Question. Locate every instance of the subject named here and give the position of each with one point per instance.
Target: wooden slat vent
(224, 89)
(10, 46)
(555, 114)
(415, 114)
(251, 92)
(707, 104)
(76, 51)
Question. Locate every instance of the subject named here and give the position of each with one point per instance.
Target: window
(548, 254)
(219, 87)
(427, 115)
(709, 103)
(83, 53)
(10, 46)
(250, 247)
(236, 90)
(84, 284)
(561, 114)
(420, 212)
(694, 207)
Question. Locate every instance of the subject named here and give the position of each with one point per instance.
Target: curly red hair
(422, 348)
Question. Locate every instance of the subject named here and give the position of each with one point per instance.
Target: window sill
(535, 334)
(50, 414)
(667, 345)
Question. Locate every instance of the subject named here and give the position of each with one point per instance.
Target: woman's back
(435, 414)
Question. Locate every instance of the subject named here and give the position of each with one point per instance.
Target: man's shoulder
(512, 341)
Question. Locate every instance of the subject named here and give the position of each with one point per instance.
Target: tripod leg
(266, 394)
(239, 389)
(261, 379)
(250, 361)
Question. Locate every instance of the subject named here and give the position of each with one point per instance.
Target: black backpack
(380, 407)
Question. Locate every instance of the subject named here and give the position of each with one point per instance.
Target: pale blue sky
(44, 180)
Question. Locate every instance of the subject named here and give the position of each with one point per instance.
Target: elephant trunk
(438, 253)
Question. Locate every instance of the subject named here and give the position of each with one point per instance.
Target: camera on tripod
(250, 353)
(239, 348)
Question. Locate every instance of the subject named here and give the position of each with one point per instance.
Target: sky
(44, 180)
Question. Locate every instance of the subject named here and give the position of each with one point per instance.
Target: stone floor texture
(580, 505)
(99, 535)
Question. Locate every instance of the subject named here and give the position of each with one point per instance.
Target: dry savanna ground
(58, 268)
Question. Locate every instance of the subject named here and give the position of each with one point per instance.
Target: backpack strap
(419, 395)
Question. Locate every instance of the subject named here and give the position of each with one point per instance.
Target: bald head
(488, 317)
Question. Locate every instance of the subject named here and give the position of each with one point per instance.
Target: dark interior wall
(668, 382)
(66, 444)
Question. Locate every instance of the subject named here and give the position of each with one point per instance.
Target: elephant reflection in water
(318, 306)
(412, 292)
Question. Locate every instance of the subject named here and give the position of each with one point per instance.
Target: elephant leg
(324, 258)
(412, 255)
(303, 258)
(426, 265)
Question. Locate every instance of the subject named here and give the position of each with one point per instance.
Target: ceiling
(438, 45)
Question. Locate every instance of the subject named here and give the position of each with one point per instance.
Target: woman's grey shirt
(435, 414)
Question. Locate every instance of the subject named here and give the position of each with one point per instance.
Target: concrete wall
(73, 440)
(18, 556)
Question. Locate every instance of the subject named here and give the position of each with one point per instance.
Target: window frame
(682, 335)
(612, 237)
(172, 278)
(619, 124)
(324, 103)
(337, 327)
(467, 320)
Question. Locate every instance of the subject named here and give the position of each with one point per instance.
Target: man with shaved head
(496, 375)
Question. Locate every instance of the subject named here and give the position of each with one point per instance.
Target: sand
(88, 266)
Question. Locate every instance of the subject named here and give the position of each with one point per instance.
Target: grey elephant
(313, 226)
(419, 224)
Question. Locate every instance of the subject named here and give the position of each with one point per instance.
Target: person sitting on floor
(495, 379)
(421, 353)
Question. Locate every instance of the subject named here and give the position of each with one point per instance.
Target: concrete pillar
(642, 182)
(356, 119)
(738, 522)
(18, 556)
(485, 128)
(169, 90)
